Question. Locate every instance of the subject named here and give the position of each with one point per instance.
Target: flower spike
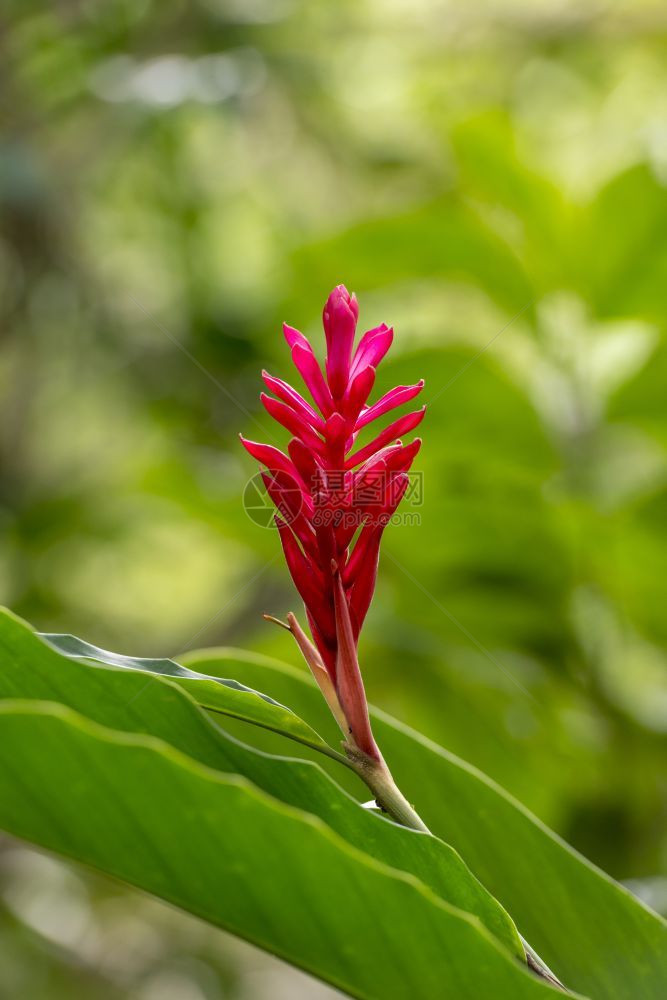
(332, 506)
(332, 503)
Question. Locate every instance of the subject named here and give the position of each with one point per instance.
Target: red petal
(384, 455)
(307, 366)
(305, 463)
(359, 554)
(349, 683)
(273, 458)
(360, 573)
(361, 593)
(357, 394)
(291, 508)
(313, 658)
(395, 397)
(326, 644)
(404, 457)
(294, 423)
(340, 322)
(401, 426)
(290, 396)
(294, 336)
(372, 348)
(307, 580)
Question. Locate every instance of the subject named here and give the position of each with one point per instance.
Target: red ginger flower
(326, 493)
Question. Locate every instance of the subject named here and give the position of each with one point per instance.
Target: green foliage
(254, 867)
(455, 165)
(221, 695)
(126, 701)
(594, 934)
(124, 769)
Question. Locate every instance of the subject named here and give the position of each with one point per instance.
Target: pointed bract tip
(276, 621)
(339, 296)
(293, 336)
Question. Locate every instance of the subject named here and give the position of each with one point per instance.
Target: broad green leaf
(125, 700)
(217, 694)
(216, 845)
(593, 933)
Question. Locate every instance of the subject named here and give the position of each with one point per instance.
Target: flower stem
(386, 792)
(391, 800)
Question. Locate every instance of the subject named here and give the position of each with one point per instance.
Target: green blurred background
(176, 179)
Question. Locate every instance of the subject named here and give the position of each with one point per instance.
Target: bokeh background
(178, 178)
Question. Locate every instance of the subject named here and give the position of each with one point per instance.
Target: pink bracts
(333, 500)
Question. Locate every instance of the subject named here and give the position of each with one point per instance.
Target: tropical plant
(121, 763)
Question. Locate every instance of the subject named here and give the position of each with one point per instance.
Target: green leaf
(217, 694)
(216, 845)
(593, 933)
(126, 700)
